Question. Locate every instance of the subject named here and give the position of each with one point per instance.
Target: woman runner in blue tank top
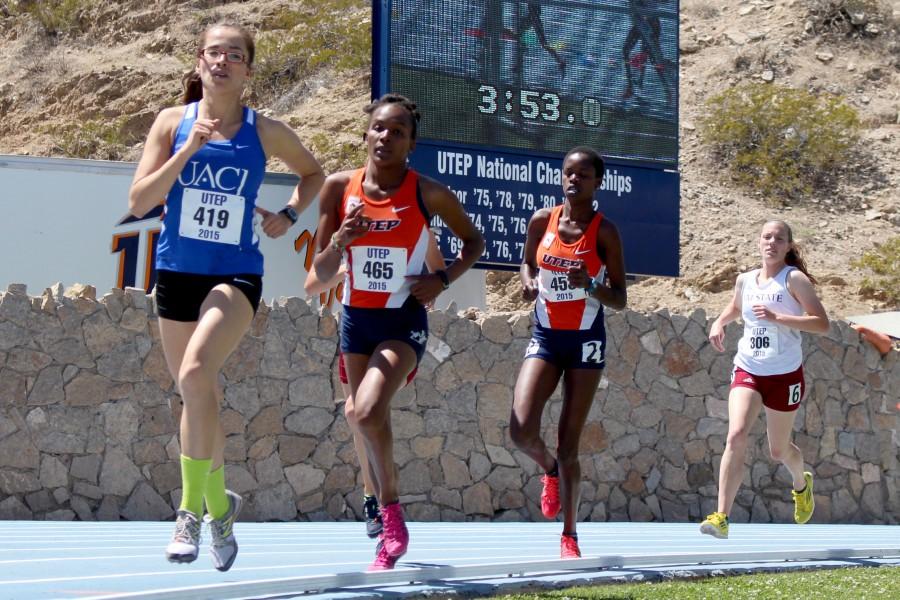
(205, 162)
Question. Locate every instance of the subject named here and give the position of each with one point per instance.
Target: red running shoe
(568, 547)
(550, 496)
(395, 536)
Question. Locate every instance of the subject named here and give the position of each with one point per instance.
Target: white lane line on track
(699, 545)
(350, 537)
(350, 525)
(360, 565)
(246, 551)
(404, 564)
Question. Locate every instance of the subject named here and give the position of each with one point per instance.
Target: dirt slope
(124, 64)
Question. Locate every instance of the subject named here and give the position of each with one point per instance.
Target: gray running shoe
(185, 542)
(223, 547)
(373, 517)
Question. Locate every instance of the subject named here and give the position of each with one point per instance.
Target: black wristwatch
(290, 213)
(445, 281)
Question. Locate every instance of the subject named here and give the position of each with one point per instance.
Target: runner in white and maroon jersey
(776, 302)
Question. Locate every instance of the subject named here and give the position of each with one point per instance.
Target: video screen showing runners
(544, 75)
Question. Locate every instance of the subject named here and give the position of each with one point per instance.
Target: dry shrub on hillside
(703, 9)
(298, 43)
(856, 18)
(781, 141)
(883, 261)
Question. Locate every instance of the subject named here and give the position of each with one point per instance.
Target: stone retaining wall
(87, 432)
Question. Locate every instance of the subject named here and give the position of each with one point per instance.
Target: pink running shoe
(383, 560)
(395, 536)
(568, 547)
(550, 496)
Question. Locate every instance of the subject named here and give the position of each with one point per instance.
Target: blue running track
(41, 559)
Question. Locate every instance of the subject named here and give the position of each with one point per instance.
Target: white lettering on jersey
(225, 179)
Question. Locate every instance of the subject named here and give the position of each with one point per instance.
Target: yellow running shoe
(804, 502)
(715, 525)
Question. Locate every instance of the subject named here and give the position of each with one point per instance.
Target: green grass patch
(883, 261)
(864, 583)
(299, 42)
(101, 139)
(781, 141)
(338, 156)
(55, 16)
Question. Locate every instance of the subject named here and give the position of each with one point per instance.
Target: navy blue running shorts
(569, 348)
(363, 329)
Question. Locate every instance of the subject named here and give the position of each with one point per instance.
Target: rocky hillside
(85, 78)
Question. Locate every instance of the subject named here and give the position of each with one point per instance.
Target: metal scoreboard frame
(501, 187)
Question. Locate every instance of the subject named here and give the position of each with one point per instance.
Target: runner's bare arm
(280, 140)
(440, 201)
(434, 260)
(328, 255)
(731, 312)
(528, 271)
(158, 168)
(609, 246)
(314, 286)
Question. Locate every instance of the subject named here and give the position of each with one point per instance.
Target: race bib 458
(554, 287)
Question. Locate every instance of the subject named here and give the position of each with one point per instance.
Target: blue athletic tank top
(208, 216)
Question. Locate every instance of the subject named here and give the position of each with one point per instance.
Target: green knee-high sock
(216, 500)
(194, 475)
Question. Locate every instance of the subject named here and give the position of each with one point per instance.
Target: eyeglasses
(214, 54)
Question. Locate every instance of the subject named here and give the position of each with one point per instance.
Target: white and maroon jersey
(767, 348)
(558, 305)
(394, 247)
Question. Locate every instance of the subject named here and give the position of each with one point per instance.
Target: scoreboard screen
(506, 88)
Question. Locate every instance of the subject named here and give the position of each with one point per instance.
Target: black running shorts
(180, 295)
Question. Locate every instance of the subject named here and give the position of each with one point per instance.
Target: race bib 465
(378, 269)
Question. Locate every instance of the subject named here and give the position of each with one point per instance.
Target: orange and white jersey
(394, 247)
(558, 305)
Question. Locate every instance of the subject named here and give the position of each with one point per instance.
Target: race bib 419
(211, 216)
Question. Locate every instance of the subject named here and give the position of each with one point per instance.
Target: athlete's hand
(717, 336)
(201, 131)
(425, 288)
(761, 311)
(578, 276)
(530, 289)
(354, 225)
(274, 225)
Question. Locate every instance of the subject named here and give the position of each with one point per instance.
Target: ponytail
(193, 88)
(794, 259)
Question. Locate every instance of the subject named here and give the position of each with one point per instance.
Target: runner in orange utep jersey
(376, 220)
(572, 266)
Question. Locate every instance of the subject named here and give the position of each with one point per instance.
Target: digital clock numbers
(538, 106)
